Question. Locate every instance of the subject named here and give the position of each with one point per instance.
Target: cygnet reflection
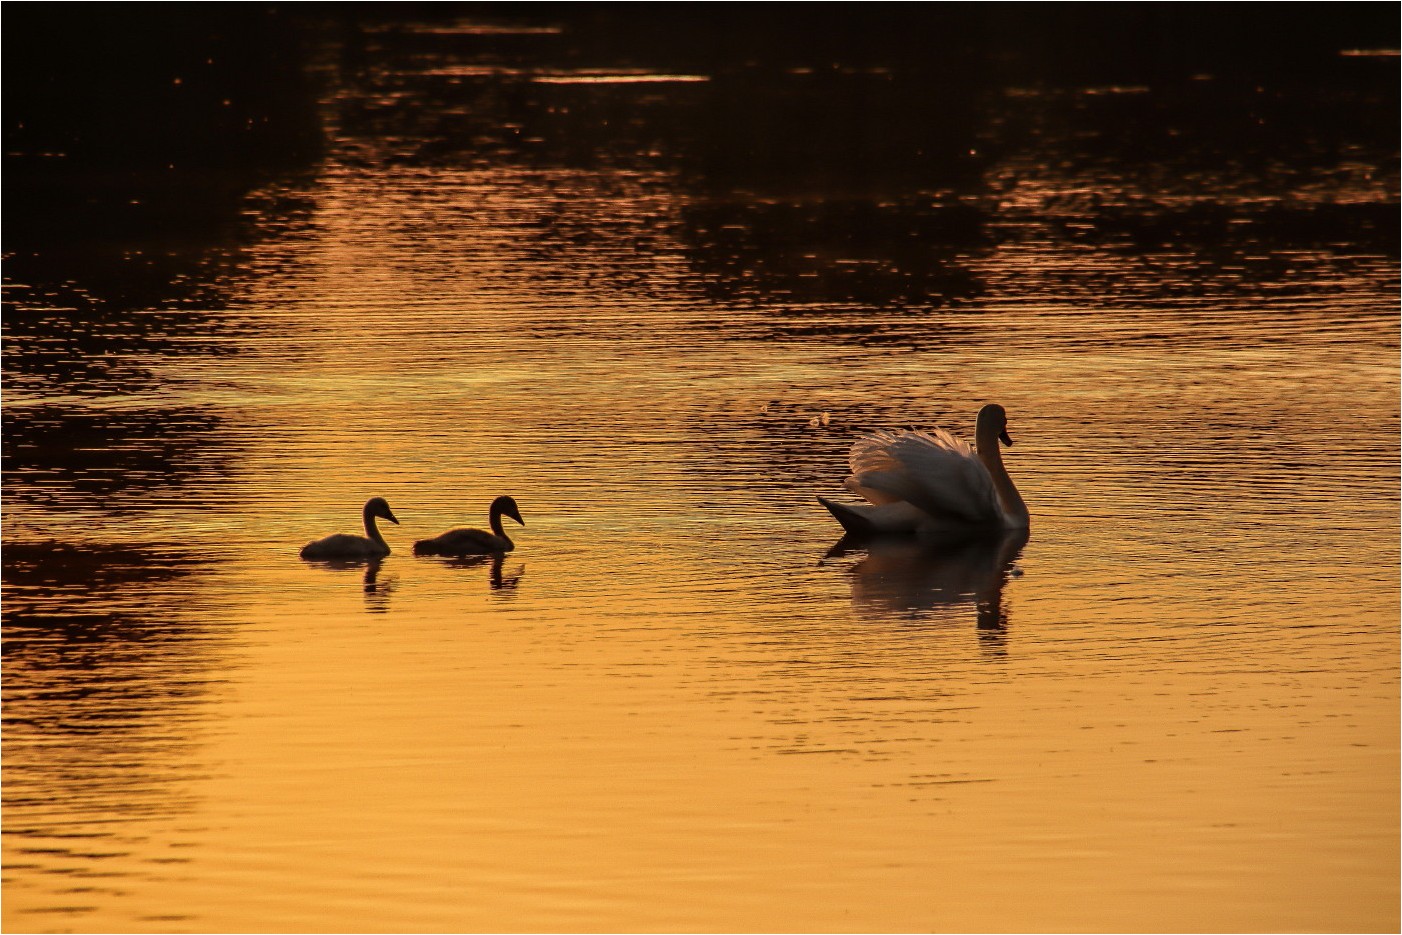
(499, 576)
(910, 577)
(375, 587)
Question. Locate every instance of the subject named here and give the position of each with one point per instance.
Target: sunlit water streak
(671, 708)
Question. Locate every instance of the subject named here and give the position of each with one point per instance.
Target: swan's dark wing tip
(852, 522)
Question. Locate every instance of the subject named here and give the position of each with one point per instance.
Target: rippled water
(656, 305)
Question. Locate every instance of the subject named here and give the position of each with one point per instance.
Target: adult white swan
(475, 541)
(931, 482)
(341, 545)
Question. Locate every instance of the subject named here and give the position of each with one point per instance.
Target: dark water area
(651, 269)
(135, 135)
(136, 138)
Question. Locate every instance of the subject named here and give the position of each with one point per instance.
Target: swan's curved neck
(372, 530)
(1014, 509)
(494, 520)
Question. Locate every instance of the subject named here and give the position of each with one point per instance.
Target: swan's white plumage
(931, 470)
(932, 483)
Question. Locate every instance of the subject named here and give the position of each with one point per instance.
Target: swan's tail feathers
(854, 523)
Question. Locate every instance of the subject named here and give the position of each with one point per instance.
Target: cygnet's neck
(372, 530)
(494, 521)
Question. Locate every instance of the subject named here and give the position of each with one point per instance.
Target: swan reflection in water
(911, 577)
(499, 578)
(375, 589)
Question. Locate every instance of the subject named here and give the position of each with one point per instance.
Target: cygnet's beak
(1005, 438)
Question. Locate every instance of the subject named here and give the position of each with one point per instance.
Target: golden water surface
(672, 708)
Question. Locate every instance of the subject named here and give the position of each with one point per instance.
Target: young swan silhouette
(932, 483)
(475, 541)
(341, 545)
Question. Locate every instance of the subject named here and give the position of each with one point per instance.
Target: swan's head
(379, 506)
(507, 507)
(994, 418)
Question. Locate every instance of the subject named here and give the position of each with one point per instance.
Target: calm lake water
(655, 301)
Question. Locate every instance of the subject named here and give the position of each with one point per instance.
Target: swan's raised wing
(931, 470)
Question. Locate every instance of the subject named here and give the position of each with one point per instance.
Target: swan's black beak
(515, 514)
(390, 516)
(1005, 438)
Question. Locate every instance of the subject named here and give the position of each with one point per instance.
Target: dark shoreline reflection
(820, 265)
(134, 138)
(909, 577)
(59, 455)
(108, 664)
(129, 122)
(855, 173)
